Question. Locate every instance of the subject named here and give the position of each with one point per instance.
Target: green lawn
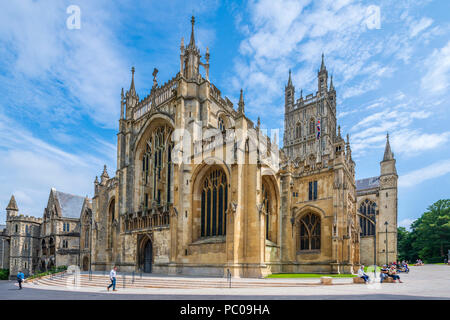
(308, 275)
(370, 269)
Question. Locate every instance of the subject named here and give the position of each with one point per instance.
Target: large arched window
(270, 210)
(367, 210)
(157, 168)
(266, 208)
(51, 246)
(309, 232)
(44, 248)
(311, 126)
(221, 124)
(214, 203)
(298, 131)
(112, 216)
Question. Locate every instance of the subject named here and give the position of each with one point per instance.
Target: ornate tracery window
(214, 204)
(221, 124)
(157, 168)
(267, 209)
(311, 126)
(298, 130)
(309, 232)
(111, 211)
(367, 209)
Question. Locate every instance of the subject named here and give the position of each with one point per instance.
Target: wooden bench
(326, 280)
(358, 280)
(388, 280)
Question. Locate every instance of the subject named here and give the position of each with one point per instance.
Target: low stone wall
(44, 277)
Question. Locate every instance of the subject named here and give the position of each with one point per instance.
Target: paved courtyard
(427, 282)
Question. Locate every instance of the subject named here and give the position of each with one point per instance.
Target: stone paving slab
(427, 282)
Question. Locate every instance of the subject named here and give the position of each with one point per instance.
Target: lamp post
(374, 241)
(386, 224)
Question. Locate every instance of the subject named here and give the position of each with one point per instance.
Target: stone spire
(191, 57)
(347, 147)
(322, 66)
(104, 175)
(322, 78)
(132, 89)
(388, 155)
(331, 84)
(290, 80)
(241, 103)
(259, 122)
(12, 205)
(192, 41)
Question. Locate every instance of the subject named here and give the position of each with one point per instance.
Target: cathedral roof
(367, 183)
(70, 204)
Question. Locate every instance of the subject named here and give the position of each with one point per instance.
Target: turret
(241, 104)
(12, 209)
(388, 163)
(322, 78)
(192, 57)
(289, 94)
(104, 177)
(131, 97)
(182, 57)
(388, 199)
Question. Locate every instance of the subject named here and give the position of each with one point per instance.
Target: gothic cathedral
(200, 189)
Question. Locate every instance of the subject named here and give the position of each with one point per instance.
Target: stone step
(102, 281)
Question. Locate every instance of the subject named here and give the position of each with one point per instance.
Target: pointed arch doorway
(148, 257)
(145, 251)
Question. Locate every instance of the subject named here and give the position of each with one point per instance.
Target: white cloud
(437, 77)
(406, 223)
(412, 142)
(31, 166)
(84, 68)
(419, 26)
(418, 176)
(283, 35)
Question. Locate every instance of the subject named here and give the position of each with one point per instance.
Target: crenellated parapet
(158, 96)
(25, 219)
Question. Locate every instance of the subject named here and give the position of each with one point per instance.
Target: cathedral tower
(388, 202)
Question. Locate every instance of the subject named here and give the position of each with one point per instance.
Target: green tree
(430, 235)
(404, 243)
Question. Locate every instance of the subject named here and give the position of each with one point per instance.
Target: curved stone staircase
(172, 282)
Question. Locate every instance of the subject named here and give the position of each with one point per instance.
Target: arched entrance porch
(146, 254)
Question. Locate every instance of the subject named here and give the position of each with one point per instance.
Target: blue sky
(60, 88)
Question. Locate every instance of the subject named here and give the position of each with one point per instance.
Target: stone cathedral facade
(201, 189)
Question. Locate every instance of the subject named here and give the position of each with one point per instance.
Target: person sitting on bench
(384, 273)
(362, 274)
(393, 274)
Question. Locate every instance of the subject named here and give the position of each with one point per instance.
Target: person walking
(20, 278)
(112, 277)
